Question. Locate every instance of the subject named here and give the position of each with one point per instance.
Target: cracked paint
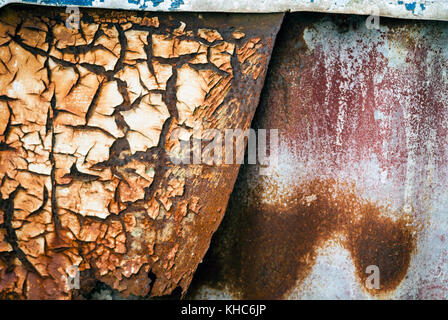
(85, 134)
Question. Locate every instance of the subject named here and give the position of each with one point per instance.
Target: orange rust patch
(86, 143)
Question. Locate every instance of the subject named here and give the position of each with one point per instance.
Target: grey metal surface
(362, 172)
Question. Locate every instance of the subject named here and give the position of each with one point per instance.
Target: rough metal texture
(86, 127)
(411, 9)
(362, 175)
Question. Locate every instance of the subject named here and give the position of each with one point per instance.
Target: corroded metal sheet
(87, 122)
(362, 178)
(411, 9)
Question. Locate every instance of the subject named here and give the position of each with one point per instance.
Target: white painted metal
(410, 9)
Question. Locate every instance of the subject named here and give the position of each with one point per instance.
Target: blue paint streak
(410, 6)
(155, 3)
(175, 4)
(144, 5)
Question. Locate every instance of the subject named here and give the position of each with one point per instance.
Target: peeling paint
(86, 129)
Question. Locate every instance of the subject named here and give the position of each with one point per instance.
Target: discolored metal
(87, 122)
(362, 173)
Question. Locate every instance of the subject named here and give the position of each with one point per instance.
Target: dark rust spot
(381, 241)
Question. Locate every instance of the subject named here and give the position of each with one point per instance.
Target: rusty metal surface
(86, 129)
(362, 175)
(410, 9)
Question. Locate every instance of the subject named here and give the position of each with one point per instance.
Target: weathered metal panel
(362, 178)
(411, 9)
(88, 131)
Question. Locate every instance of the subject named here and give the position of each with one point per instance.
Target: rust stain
(383, 242)
(275, 248)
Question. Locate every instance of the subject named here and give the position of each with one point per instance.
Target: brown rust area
(87, 128)
(268, 250)
(383, 242)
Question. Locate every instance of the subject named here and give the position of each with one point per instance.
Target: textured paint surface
(362, 175)
(88, 122)
(411, 9)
